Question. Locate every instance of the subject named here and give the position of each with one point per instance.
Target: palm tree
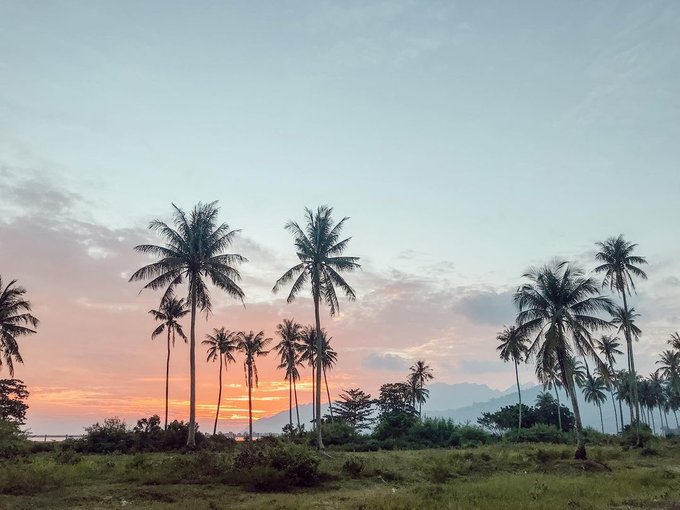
(420, 374)
(670, 368)
(656, 393)
(289, 355)
(674, 341)
(319, 250)
(308, 352)
(15, 321)
(608, 347)
(221, 345)
(252, 345)
(593, 391)
(556, 305)
(194, 251)
(549, 377)
(619, 266)
(169, 312)
(328, 360)
(513, 346)
(624, 320)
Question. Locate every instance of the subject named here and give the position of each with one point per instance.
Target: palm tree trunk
(621, 412)
(580, 453)
(290, 404)
(297, 410)
(616, 419)
(191, 439)
(519, 394)
(219, 398)
(660, 419)
(319, 361)
(250, 401)
(167, 382)
(313, 397)
(328, 392)
(676, 418)
(651, 413)
(559, 412)
(599, 406)
(631, 361)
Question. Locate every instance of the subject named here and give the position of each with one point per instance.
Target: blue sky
(466, 140)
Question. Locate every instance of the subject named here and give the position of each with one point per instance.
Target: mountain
(274, 424)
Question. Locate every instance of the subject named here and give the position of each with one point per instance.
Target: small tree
(355, 408)
(13, 393)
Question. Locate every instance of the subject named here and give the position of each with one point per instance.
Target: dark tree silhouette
(15, 320)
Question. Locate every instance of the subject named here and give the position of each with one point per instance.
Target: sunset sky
(467, 141)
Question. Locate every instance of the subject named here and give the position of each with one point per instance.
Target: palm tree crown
(194, 251)
(420, 374)
(625, 319)
(619, 265)
(15, 321)
(559, 305)
(674, 341)
(289, 349)
(221, 346)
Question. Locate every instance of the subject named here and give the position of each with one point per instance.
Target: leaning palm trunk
(599, 407)
(519, 394)
(191, 439)
(319, 361)
(219, 398)
(297, 410)
(616, 418)
(328, 392)
(580, 453)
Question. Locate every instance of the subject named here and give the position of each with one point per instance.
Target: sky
(466, 141)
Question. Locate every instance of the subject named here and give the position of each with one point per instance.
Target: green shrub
(353, 466)
(67, 456)
(13, 441)
(439, 470)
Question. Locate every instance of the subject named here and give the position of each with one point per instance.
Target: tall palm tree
(624, 320)
(221, 345)
(669, 362)
(328, 360)
(557, 306)
(252, 345)
(319, 249)
(513, 346)
(420, 374)
(308, 352)
(674, 341)
(170, 311)
(194, 252)
(593, 391)
(608, 347)
(289, 349)
(620, 267)
(15, 320)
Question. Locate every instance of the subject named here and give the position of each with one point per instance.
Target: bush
(539, 433)
(13, 441)
(353, 466)
(335, 432)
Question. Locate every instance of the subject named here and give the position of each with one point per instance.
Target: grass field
(502, 476)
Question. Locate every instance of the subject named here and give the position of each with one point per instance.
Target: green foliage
(13, 394)
(355, 408)
(545, 412)
(13, 441)
(336, 432)
(353, 466)
(539, 433)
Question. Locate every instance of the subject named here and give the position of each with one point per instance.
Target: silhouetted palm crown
(194, 249)
(15, 321)
(289, 348)
(674, 341)
(594, 390)
(619, 265)
(319, 250)
(252, 345)
(608, 346)
(168, 314)
(626, 318)
(221, 342)
(513, 344)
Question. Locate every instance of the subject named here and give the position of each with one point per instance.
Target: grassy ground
(496, 477)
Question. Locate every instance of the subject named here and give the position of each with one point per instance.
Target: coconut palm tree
(308, 352)
(252, 345)
(608, 347)
(319, 249)
(559, 305)
(194, 252)
(624, 320)
(170, 311)
(549, 376)
(513, 346)
(15, 320)
(656, 393)
(420, 374)
(593, 391)
(620, 267)
(674, 341)
(289, 349)
(670, 368)
(328, 360)
(221, 345)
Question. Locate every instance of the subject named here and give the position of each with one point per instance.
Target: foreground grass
(496, 477)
